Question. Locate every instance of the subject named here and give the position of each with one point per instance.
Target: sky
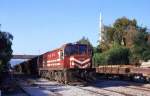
(39, 26)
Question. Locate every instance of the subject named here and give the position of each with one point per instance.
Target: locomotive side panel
(52, 60)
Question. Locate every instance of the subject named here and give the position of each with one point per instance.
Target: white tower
(101, 28)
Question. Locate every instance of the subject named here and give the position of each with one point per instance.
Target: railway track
(119, 92)
(95, 92)
(106, 93)
(137, 86)
(124, 92)
(128, 85)
(127, 88)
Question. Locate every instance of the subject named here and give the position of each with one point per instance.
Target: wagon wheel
(147, 79)
(59, 77)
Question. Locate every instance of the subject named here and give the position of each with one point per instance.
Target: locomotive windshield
(82, 49)
(72, 49)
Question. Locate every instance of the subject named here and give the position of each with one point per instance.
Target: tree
(5, 50)
(84, 40)
(116, 55)
(123, 32)
(141, 46)
(99, 59)
(128, 34)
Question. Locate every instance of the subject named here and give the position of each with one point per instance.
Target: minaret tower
(101, 29)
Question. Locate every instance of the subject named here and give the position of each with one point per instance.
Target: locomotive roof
(63, 46)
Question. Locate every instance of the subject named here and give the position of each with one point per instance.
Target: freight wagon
(130, 72)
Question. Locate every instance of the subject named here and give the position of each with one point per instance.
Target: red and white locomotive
(66, 63)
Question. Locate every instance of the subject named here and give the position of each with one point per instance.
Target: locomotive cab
(77, 56)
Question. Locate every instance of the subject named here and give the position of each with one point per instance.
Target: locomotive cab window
(61, 54)
(82, 49)
(85, 49)
(71, 50)
(77, 49)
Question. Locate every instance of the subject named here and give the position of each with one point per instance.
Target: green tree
(5, 50)
(84, 40)
(127, 33)
(123, 32)
(140, 48)
(99, 59)
(116, 55)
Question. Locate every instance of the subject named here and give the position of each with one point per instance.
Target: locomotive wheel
(49, 75)
(42, 74)
(66, 79)
(52, 75)
(59, 76)
(82, 75)
(62, 77)
(46, 75)
(56, 76)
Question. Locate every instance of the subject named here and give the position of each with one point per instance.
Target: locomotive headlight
(72, 63)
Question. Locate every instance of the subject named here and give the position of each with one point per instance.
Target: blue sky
(42, 25)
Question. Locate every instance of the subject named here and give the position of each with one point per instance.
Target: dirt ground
(9, 87)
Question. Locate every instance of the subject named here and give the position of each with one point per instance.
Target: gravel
(99, 88)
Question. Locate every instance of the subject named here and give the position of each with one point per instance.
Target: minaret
(100, 28)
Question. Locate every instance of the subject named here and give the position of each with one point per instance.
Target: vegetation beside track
(125, 42)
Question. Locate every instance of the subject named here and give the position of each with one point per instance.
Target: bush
(99, 59)
(146, 55)
(116, 55)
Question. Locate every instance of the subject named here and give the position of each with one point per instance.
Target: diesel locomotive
(69, 63)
